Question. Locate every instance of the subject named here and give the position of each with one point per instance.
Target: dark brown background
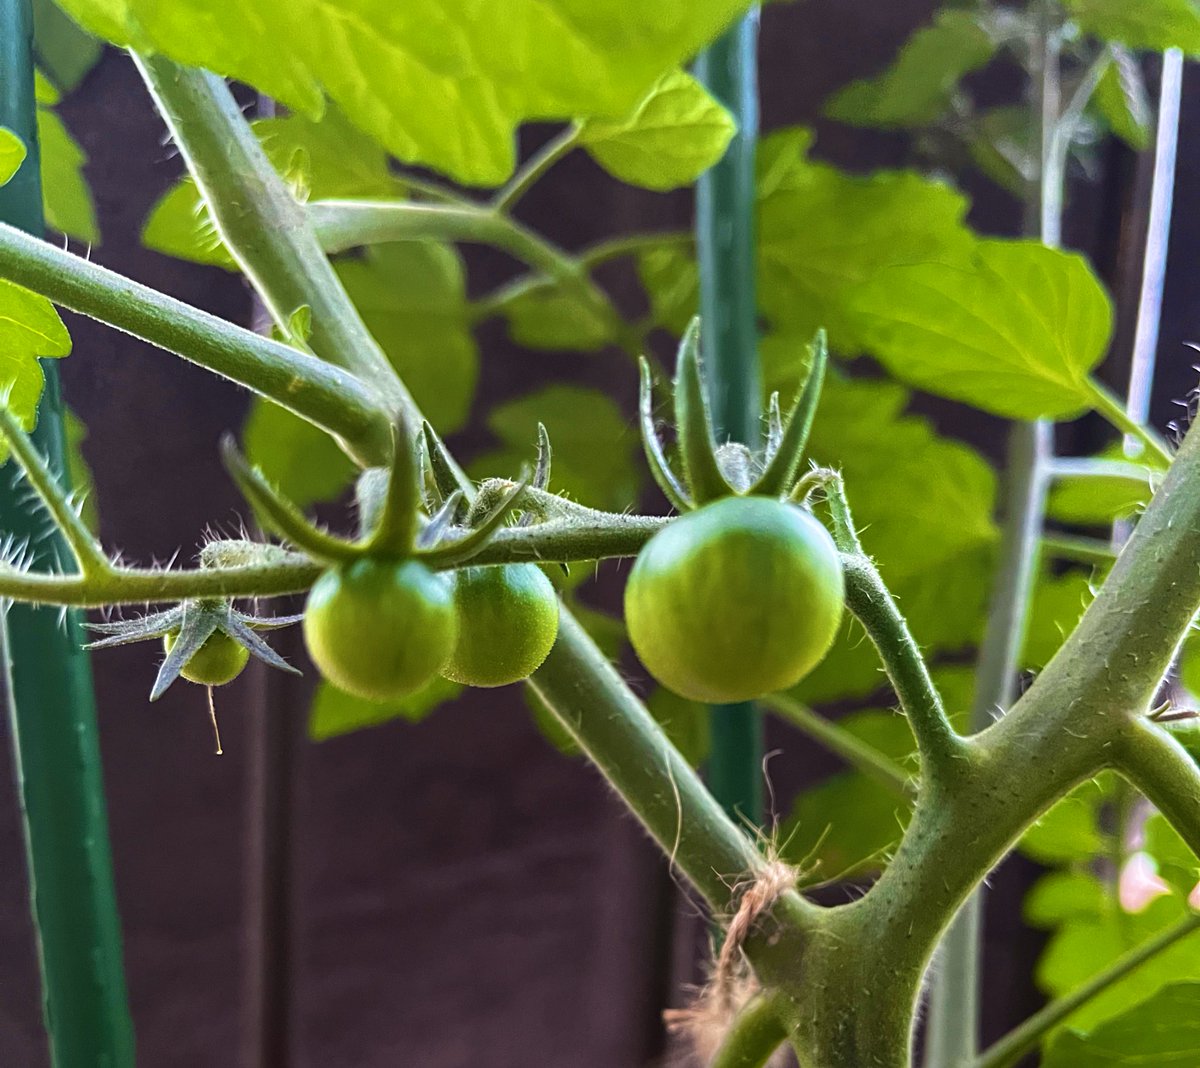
(459, 893)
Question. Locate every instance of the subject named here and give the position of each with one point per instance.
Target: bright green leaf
(29, 328)
(1154, 25)
(671, 279)
(12, 152)
(849, 823)
(1068, 832)
(1174, 861)
(823, 233)
(79, 472)
(672, 136)
(180, 226)
(444, 84)
(1015, 331)
(412, 297)
(302, 460)
(554, 318)
(1162, 1031)
(1058, 604)
(1063, 895)
(594, 444)
(1095, 500)
(916, 88)
(1122, 100)
(1086, 944)
(334, 713)
(69, 208)
(45, 94)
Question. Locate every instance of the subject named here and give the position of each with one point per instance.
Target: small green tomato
(507, 623)
(380, 629)
(740, 598)
(218, 661)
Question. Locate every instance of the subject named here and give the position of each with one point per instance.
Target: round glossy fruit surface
(218, 661)
(507, 623)
(740, 598)
(380, 629)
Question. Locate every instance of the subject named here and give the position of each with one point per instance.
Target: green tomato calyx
(710, 471)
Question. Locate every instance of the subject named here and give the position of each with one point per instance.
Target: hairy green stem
(536, 166)
(875, 608)
(1158, 765)
(1080, 549)
(1155, 450)
(1021, 1040)
(243, 192)
(325, 395)
(857, 753)
(346, 224)
(80, 540)
(753, 1037)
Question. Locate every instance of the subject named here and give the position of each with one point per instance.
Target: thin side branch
(1166, 773)
(327, 396)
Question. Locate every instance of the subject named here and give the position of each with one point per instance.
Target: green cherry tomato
(218, 661)
(380, 629)
(740, 598)
(507, 623)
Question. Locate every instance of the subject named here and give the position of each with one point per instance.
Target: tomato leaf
(334, 712)
(552, 317)
(412, 297)
(672, 136)
(1163, 1031)
(68, 201)
(63, 48)
(1094, 500)
(300, 460)
(917, 87)
(439, 84)
(594, 444)
(12, 154)
(29, 328)
(824, 233)
(1015, 330)
(1154, 25)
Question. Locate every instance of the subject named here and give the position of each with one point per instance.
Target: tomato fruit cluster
(381, 629)
(740, 598)
(218, 661)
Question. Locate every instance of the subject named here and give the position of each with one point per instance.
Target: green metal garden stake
(50, 701)
(725, 235)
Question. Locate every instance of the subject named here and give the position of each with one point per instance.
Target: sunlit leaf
(29, 328)
(1155, 25)
(68, 201)
(1015, 330)
(412, 296)
(672, 136)
(1162, 1031)
(12, 153)
(443, 84)
(301, 460)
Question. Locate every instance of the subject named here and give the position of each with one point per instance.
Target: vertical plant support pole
(725, 236)
(50, 701)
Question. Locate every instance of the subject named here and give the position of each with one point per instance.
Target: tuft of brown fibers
(701, 1027)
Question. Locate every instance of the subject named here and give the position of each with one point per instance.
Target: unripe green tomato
(507, 623)
(218, 661)
(380, 629)
(740, 598)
